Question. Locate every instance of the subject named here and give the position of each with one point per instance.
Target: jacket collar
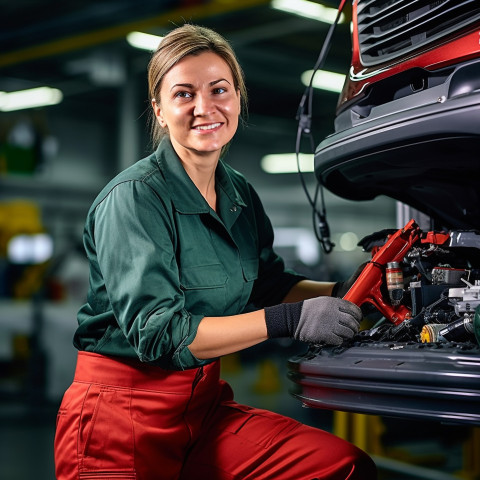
(185, 195)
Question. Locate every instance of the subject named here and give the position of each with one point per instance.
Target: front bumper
(421, 150)
(438, 382)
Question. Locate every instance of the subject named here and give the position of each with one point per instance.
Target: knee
(352, 462)
(362, 466)
(337, 459)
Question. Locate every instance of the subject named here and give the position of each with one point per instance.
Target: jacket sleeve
(135, 242)
(274, 280)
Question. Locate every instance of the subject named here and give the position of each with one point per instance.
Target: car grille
(388, 29)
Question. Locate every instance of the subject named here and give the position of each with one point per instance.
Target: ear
(158, 113)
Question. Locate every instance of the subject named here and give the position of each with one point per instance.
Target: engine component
(430, 333)
(447, 275)
(427, 284)
(394, 276)
(458, 331)
(367, 287)
(465, 300)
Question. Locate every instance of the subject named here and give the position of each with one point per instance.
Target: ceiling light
(324, 80)
(308, 9)
(348, 241)
(286, 163)
(144, 41)
(32, 98)
(30, 249)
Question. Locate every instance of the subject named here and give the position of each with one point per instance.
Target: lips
(210, 126)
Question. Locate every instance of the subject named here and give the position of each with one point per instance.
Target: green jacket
(161, 259)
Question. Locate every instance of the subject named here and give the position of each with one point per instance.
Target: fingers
(341, 333)
(347, 328)
(328, 320)
(351, 309)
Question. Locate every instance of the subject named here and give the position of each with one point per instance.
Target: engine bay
(417, 354)
(424, 285)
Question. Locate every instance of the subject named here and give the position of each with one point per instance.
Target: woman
(182, 272)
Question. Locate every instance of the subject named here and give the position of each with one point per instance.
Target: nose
(204, 105)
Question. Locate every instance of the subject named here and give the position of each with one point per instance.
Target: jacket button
(234, 208)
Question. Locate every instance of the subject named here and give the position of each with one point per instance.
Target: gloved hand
(316, 320)
(341, 288)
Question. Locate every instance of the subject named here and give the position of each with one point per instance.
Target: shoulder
(144, 175)
(137, 199)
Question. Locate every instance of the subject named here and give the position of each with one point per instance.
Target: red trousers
(126, 420)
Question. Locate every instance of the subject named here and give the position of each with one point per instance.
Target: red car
(407, 123)
(408, 126)
(404, 44)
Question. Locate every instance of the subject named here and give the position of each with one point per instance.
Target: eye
(183, 95)
(219, 90)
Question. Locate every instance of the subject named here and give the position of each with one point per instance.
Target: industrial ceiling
(80, 47)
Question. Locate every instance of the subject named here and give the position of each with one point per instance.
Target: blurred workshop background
(73, 103)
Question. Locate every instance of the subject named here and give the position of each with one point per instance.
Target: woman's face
(199, 104)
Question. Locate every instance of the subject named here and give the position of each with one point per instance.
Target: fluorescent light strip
(308, 9)
(144, 41)
(286, 163)
(32, 98)
(324, 80)
(30, 249)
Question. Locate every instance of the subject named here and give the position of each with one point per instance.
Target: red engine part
(367, 286)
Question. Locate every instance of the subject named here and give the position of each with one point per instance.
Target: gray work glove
(341, 288)
(317, 320)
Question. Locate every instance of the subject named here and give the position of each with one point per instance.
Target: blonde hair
(176, 45)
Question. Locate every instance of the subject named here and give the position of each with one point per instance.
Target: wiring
(304, 117)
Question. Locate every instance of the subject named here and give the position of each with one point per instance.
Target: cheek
(233, 110)
(171, 116)
(234, 121)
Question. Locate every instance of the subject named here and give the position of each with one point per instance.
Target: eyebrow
(189, 85)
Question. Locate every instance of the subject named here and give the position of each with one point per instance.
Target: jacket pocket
(203, 276)
(204, 287)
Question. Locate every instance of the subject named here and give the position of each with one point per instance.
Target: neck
(201, 170)
(205, 182)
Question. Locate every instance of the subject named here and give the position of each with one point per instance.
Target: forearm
(308, 313)
(308, 289)
(218, 336)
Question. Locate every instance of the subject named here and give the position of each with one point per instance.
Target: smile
(207, 127)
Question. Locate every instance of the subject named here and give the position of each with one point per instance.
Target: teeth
(208, 127)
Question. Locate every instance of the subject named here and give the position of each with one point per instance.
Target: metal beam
(89, 39)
